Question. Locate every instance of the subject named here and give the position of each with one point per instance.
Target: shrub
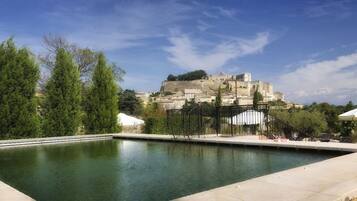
(305, 123)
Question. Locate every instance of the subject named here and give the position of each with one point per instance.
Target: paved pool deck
(8, 193)
(330, 180)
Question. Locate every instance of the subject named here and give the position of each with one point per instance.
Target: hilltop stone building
(235, 89)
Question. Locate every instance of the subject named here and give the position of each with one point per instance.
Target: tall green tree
(218, 101)
(62, 107)
(257, 97)
(18, 77)
(101, 103)
(349, 106)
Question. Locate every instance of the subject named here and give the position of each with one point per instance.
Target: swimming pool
(138, 170)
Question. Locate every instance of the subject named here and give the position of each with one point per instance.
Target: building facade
(235, 89)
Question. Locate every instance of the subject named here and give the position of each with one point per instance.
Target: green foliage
(62, 107)
(307, 124)
(155, 125)
(349, 106)
(193, 75)
(171, 78)
(18, 77)
(310, 124)
(331, 113)
(129, 103)
(279, 103)
(101, 103)
(347, 128)
(257, 98)
(155, 119)
(168, 93)
(218, 101)
(156, 94)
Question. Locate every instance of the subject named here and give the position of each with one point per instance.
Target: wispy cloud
(122, 26)
(324, 80)
(226, 12)
(337, 8)
(186, 53)
(202, 25)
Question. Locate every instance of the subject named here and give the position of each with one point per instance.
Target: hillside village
(235, 89)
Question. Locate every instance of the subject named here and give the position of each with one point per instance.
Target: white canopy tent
(348, 116)
(126, 120)
(249, 117)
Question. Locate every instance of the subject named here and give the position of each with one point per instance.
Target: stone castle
(235, 89)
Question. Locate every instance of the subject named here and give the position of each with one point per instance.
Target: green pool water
(138, 170)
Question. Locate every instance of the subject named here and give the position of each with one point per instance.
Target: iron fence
(226, 120)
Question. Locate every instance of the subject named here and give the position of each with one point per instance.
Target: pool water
(138, 170)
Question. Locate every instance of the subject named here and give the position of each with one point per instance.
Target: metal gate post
(231, 114)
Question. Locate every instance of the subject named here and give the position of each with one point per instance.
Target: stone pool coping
(214, 139)
(11, 194)
(52, 140)
(333, 179)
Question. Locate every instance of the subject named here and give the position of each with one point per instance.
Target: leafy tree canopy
(84, 58)
(306, 123)
(129, 103)
(193, 75)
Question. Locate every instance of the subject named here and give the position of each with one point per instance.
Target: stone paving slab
(7, 193)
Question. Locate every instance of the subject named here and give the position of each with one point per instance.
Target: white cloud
(330, 80)
(187, 54)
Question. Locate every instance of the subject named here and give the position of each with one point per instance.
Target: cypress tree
(18, 78)
(218, 101)
(63, 98)
(101, 102)
(257, 97)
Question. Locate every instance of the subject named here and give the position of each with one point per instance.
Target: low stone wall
(53, 140)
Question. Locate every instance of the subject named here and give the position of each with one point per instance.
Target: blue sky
(307, 49)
